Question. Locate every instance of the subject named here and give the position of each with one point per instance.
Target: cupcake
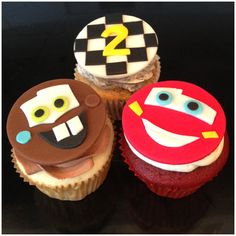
(174, 137)
(59, 144)
(117, 55)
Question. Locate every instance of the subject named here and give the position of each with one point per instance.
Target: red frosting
(173, 121)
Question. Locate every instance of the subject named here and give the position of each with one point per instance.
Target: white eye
(162, 96)
(173, 99)
(53, 102)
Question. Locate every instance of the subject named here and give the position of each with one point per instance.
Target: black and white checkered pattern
(141, 41)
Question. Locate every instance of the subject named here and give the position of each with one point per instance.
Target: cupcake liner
(72, 192)
(172, 192)
(114, 108)
(172, 184)
(115, 104)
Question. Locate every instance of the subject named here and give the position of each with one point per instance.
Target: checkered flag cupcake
(119, 63)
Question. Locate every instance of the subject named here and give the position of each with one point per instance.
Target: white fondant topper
(90, 45)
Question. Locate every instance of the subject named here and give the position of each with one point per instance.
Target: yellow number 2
(121, 33)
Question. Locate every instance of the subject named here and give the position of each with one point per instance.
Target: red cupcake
(175, 137)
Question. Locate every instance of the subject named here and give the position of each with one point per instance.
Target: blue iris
(193, 107)
(164, 98)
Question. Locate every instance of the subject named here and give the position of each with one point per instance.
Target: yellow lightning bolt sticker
(210, 134)
(135, 107)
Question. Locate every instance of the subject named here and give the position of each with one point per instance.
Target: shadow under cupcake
(154, 214)
(86, 216)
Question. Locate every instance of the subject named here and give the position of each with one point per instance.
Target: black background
(196, 44)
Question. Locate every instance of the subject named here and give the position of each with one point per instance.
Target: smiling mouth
(166, 138)
(69, 134)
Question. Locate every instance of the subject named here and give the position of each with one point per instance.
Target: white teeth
(61, 132)
(165, 137)
(75, 125)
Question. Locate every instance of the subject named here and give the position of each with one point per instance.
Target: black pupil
(39, 113)
(193, 106)
(59, 103)
(163, 96)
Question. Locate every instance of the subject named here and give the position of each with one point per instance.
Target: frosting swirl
(131, 83)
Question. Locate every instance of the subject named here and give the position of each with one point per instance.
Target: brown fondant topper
(56, 122)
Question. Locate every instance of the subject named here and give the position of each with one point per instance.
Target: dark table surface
(196, 44)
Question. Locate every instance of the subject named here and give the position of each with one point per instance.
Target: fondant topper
(55, 122)
(115, 46)
(173, 122)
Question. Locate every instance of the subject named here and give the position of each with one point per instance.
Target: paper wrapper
(115, 100)
(115, 108)
(169, 183)
(72, 192)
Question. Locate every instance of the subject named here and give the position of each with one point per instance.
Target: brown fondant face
(62, 117)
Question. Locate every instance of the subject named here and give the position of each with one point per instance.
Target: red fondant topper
(173, 122)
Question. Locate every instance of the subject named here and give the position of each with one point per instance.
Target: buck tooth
(61, 132)
(75, 125)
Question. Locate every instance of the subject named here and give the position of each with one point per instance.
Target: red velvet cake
(175, 137)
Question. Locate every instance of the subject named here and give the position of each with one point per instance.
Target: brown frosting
(42, 153)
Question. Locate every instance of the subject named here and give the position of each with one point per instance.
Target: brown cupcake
(58, 143)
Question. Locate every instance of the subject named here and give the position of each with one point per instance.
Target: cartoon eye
(40, 114)
(60, 103)
(164, 98)
(193, 107)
